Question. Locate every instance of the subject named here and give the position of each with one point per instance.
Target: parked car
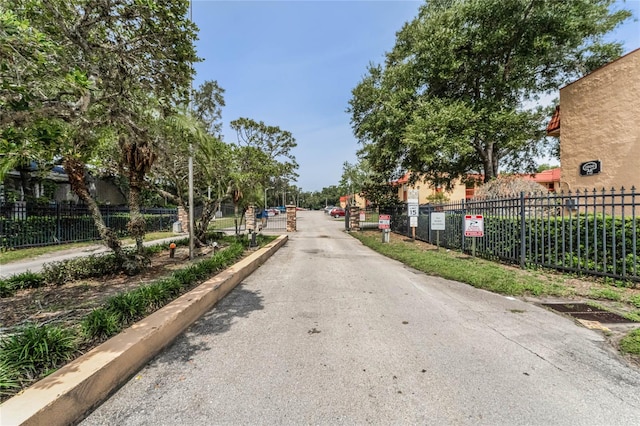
(328, 209)
(336, 212)
(273, 212)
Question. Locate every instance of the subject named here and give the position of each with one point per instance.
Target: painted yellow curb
(67, 395)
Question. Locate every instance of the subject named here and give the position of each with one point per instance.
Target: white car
(328, 209)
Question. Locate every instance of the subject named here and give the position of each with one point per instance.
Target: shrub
(100, 323)
(37, 349)
(7, 289)
(9, 286)
(128, 306)
(82, 267)
(635, 300)
(9, 378)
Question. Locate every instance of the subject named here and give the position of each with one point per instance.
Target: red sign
(384, 221)
(474, 225)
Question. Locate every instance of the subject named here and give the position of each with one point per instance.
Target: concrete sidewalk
(35, 264)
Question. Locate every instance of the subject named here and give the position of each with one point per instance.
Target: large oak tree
(449, 98)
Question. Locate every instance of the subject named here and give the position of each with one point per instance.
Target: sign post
(384, 223)
(474, 227)
(437, 224)
(413, 200)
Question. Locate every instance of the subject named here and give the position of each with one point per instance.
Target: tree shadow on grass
(239, 303)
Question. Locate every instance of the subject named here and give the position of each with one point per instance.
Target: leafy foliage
(38, 348)
(449, 98)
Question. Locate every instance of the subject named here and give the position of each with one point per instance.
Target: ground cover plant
(40, 338)
(508, 280)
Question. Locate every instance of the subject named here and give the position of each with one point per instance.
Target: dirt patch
(72, 301)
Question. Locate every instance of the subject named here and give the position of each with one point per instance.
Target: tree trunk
(201, 227)
(136, 225)
(75, 170)
(25, 182)
(490, 164)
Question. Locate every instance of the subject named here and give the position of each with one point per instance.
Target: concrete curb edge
(67, 395)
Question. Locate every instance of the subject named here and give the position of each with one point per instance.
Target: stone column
(250, 217)
(291, 219)
(183, 218)
(354, 218)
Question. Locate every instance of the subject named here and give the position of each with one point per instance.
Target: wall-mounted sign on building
(589, 168)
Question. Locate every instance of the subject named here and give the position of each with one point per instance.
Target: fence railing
(29, 225)
(591, 232)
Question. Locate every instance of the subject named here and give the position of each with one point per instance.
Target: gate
(276, 219)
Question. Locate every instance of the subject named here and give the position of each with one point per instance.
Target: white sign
(413, 221)
(474, 225)
(437, 221)
(384, 221)
(362, 217)
(413, 196)
(413, 209)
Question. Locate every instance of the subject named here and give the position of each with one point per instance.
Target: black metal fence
(591, 232)
(29, 225)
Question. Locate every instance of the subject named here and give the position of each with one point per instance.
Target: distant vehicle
(336, 212)
(328, 209)
(273, 212)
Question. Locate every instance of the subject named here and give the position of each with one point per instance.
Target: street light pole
(265, 196)
(191, 206)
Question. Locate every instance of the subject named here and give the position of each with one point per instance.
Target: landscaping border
(67, 395)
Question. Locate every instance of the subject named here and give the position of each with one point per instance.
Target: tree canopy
(449, 98)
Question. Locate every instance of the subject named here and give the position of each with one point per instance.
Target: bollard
(172, 250)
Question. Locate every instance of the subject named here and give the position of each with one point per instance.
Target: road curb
(67, 395)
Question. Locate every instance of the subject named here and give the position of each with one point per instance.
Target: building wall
(425, 191)
(600, 121)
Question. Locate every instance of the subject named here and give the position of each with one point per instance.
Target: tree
(275, 143)
(262, 158)
(130, 62)
(207, 103)
(194, 132)
(449, 98)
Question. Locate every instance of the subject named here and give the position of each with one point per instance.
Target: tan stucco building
(598, 123)
(426, 190)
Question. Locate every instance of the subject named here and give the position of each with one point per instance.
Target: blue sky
(294, 63)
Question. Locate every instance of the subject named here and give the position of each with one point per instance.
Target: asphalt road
(329, 332)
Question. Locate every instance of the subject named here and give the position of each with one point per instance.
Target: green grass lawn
(459, 267)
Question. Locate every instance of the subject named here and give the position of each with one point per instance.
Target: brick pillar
(354, 218)
(291, 219)
(183, 218)
(250, 217)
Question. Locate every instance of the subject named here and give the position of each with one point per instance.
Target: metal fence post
(58, 225)
(522, 231)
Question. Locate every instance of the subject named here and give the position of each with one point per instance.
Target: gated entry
(276, 220)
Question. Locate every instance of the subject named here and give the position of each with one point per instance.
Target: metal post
(191, 206)
(522, 232)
